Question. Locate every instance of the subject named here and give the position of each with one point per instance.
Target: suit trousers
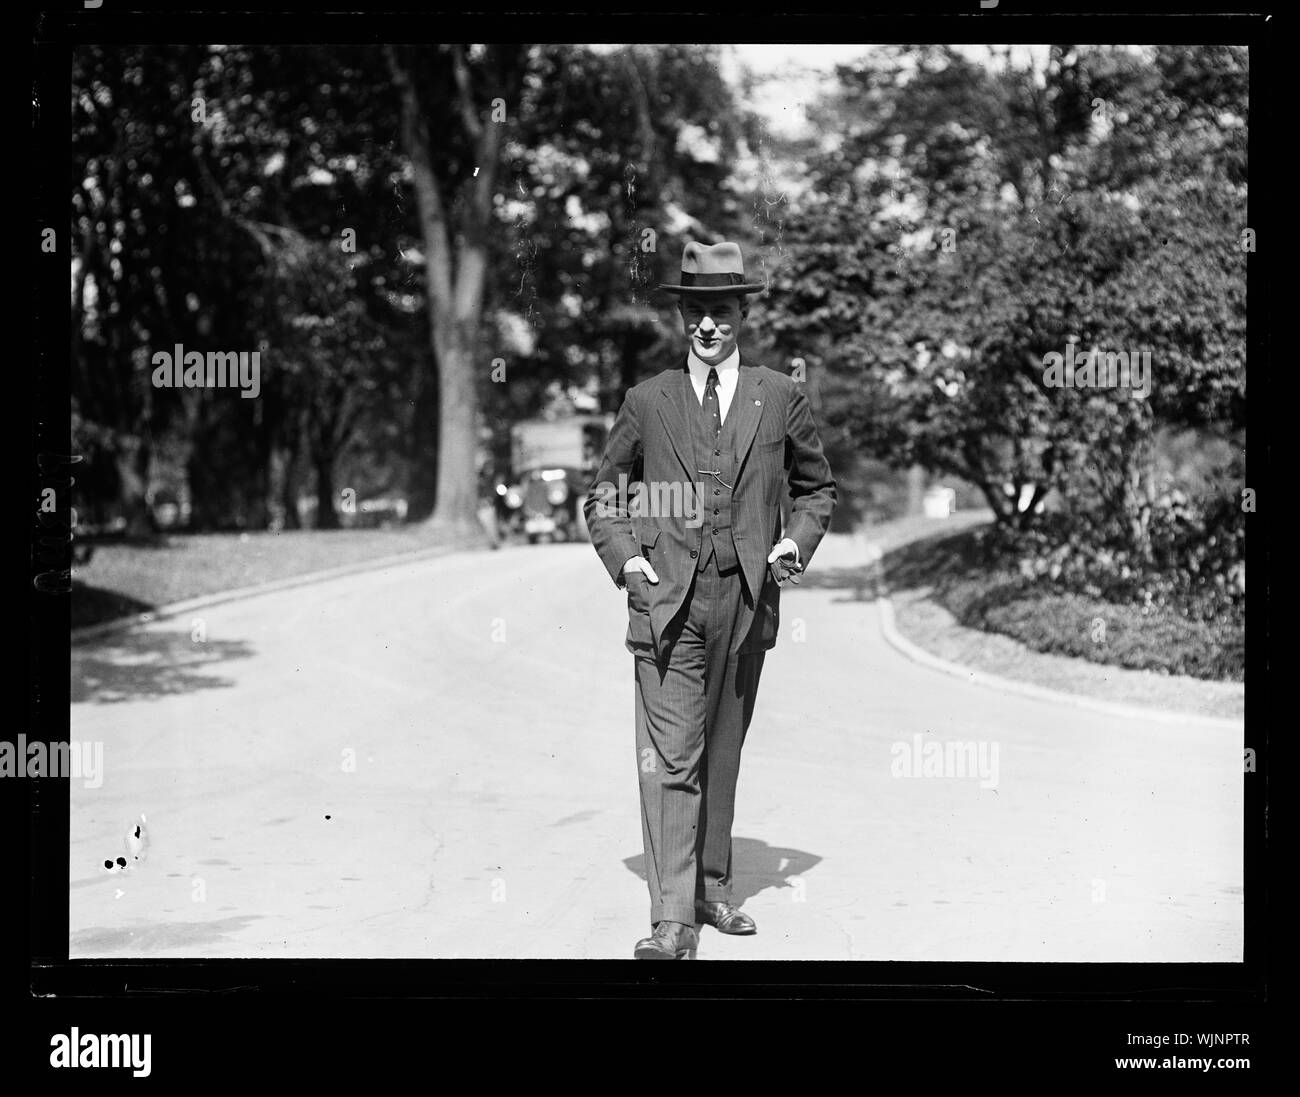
(693, 707)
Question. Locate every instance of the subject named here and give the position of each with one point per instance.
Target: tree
(975, 219)
(620, 157)
(452, 143)
(236, 198)
(132, 279)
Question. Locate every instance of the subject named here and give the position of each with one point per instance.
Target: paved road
(436, 760)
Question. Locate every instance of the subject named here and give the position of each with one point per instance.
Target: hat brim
(714, 291)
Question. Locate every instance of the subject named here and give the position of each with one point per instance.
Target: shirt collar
(701, 369)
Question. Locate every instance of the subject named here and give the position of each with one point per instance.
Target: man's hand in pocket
(636, 592)
(783, 562)
(642, 565)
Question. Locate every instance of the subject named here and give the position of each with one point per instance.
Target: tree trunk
(1003, 511)
(422, 447)
(132, 457)
(455, 514)
(454, 284)
(915, 490)
(1132, 490)
(326, 516)
(288, 487)
(630, 364)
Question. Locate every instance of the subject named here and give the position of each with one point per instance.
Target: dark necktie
(710, 407)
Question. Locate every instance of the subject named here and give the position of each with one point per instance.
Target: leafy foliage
(973, 220)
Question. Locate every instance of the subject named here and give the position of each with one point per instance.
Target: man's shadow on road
(755, 867)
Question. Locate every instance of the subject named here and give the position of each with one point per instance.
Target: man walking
(709, 444)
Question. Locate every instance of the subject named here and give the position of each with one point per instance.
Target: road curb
(900, 643)
(174, 609)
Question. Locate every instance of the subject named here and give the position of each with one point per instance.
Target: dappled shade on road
(142, 664)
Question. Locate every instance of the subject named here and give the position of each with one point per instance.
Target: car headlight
(514, 498)
(556, 494)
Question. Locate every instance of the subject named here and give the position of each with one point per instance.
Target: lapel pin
(758, 403)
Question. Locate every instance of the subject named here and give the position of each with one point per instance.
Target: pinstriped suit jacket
(777, 449)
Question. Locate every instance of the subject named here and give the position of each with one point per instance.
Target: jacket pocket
(640, 634)
(767, 619)
(638, 594)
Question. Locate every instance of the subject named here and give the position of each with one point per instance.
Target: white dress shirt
(728, 375)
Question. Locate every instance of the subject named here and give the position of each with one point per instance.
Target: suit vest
(714, 498)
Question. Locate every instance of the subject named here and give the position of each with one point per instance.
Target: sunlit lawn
(126, 578)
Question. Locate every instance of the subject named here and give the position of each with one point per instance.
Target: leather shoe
(725, 918)
(670, 941)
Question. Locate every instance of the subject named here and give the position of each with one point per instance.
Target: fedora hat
(713, 270)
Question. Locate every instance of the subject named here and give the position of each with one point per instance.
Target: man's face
(713, 325)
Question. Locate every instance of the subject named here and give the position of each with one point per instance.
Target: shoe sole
(655, 954)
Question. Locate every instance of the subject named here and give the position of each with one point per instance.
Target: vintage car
(553, 461)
